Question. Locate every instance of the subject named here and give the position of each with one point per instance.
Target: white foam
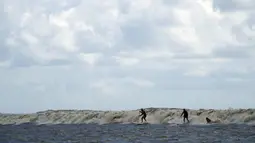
(154, 116)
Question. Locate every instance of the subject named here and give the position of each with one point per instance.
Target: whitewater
(154, 116)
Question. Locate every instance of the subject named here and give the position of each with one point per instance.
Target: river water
(126, 133)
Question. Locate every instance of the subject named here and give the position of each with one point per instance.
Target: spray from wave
(154, 116)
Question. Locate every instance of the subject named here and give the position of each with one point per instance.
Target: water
(126, 133)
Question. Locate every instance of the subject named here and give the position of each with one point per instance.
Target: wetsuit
(185, 115)
(143, 114)
(208, 120)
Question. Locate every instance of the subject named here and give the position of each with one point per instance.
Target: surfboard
(173, 124)
(142, 123)
(184, 124)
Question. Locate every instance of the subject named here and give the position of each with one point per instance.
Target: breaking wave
(154, 116)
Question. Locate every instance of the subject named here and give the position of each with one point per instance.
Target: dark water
(129, 133)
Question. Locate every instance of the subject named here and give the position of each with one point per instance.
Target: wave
(154, 116)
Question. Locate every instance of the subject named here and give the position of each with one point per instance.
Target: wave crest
(154, 116)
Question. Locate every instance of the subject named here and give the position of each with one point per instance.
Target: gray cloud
(74, 54)
(230, 5)
(138, 34)
(234, 52)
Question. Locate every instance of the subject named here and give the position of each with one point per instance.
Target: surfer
(143, 114)
(208, 120)
(186, 115)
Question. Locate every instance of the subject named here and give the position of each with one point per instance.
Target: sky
(123, 54)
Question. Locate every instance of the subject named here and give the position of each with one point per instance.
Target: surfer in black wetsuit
(143, 114)
(186, 115)
(208, 120)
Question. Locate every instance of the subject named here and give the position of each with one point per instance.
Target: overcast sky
(126, 54)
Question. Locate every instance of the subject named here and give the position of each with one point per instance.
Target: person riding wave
(209, 121)
(143, 114)
(186, 115)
